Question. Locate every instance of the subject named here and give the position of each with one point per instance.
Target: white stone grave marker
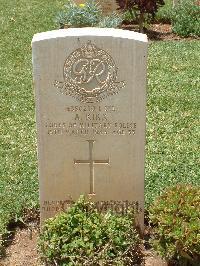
(90, 110)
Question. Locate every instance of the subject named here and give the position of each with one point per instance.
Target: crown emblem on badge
(90, 75)
(88, 50)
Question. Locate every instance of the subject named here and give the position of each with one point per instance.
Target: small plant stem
(131, 13)
(141, 22)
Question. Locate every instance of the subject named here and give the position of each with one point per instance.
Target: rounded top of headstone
(99, 32)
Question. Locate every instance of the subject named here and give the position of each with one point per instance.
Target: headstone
(90, 111)
(108, 6)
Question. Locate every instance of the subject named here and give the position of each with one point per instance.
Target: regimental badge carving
(90, 75)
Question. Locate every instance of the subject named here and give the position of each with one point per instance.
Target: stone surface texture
(90, 111)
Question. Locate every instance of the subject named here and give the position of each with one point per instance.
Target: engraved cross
(91, 162)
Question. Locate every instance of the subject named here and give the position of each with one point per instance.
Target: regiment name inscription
(91, 120)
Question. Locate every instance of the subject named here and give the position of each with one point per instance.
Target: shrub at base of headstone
(84, 236)
(176, 219)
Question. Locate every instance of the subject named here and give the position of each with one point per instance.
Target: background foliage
(172, 109)
(89, 14)
(140, 10)
(164, 13)
(186, 18)
(83, 15)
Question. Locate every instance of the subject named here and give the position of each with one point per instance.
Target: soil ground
(158, 32)
(23, 250)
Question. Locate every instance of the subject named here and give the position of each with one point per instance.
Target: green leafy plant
(82, 15)
(114, 20)
(88, 14)
(164, 14)
(176, 219)
(140, 10)
(186, 18)
(83, 236)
